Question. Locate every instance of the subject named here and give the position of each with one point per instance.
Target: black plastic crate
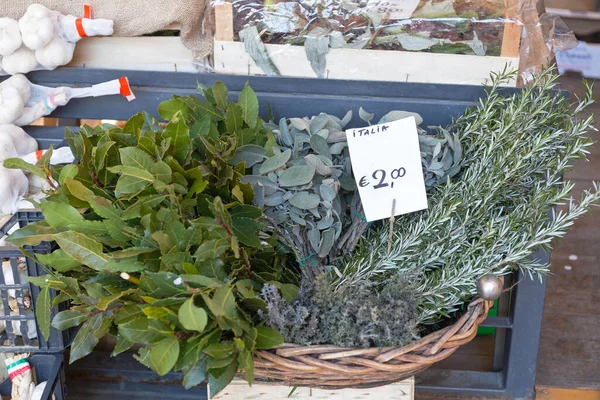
(46, 368)
(18, 297)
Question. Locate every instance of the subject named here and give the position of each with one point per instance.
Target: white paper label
(386, 163)
(398, 9)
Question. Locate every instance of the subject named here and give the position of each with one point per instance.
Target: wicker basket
(333, 367)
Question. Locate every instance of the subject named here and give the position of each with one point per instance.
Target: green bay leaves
(191, 317)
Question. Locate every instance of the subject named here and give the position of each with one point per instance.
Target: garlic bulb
(21, 61)
(91, 27)
(23, 143)
(10, 36)
(21, 83)
(37, 26)
(56, 53)
(11, 105)
(7, 148)
(13, 189)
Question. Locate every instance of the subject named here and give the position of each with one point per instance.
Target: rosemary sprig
(495, 214)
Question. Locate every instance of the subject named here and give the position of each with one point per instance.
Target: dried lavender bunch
(352, 316)
(516, 150)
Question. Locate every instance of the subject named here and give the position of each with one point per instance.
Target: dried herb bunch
(495, 213)
(353, 316)
(307, 191)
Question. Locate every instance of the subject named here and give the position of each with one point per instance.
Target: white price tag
(397, 9)
(386, 163)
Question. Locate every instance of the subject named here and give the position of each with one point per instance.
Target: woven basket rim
(337, 367)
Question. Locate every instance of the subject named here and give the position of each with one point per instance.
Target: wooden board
(550, 393)
(239, 390)
(377, 65)
(150, 53)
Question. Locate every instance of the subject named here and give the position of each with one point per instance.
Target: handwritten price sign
(395, 9)
(386, 163)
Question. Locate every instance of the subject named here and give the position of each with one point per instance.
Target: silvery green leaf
(365, 116)
(347, 183)
(305, 200)
(288, 195)
(296, 176)
(280, 217)
(259, 196)
(273, 177)
(325, 223)
(316, 46)
(315, 212)
(476, 46)
(338, 230)
(284, 133)
(275, 162)
(317, 164)
(335, 137)
(334, 124)
(437, 150)
(447, 159)
(328, 181)
(297, 219)
(327, 193)
(397, 115)
(274, 200)
(337, 148)
(436, 165)
(257, 51)
(326, 160)
(438, 172)
(326, 204)
(319, 145)
(362, 40)
(347, 118)
(319, 122)
(457, 150)
(314, 237)
(415, 43)
(257, 180)
(324, 133)
(337, 206)
(251, 154)
(300, 124)
(336, 40)
(327, 239)
(453, 171)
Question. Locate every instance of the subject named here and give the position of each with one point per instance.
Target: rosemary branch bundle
(496, 212)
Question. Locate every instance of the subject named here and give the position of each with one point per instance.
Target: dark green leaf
(83, 249)
(168, 108)
(85, 340)
(164, 355)
(220, 350)
(191, 317)
(179, 134)
(138, 331)
(249, 104)
(59, 260)
(134, 157)
(43, 307)
(268, 338)
(196, 375)
(218, 384)
(17, 163)
(121, 346)
(234, 120)
(222, 303)
(67, 319)
(219, 92)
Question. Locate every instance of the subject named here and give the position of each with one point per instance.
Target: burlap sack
(136, 17)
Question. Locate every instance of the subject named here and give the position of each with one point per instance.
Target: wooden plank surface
(149, 53)
(550, 393)
(377, 65)
(239, 390)
(569, 354)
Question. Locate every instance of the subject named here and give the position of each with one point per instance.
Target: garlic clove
(10, 36)
(37, 26)
(11, 105)
(23, 143)
(21, 83)
(21, 61)
(56, 53)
